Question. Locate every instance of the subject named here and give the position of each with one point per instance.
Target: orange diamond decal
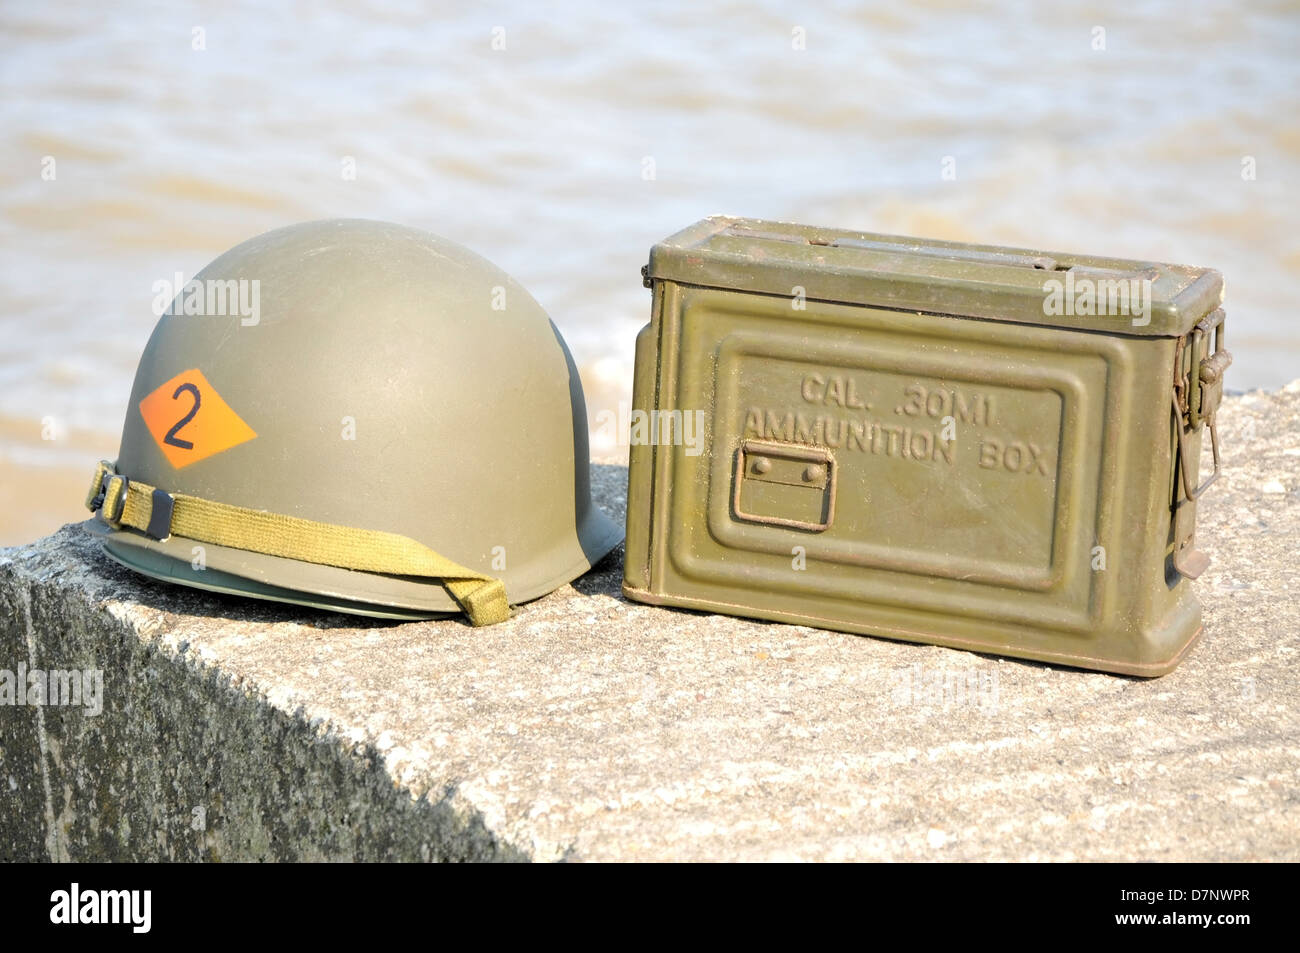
(189, 421)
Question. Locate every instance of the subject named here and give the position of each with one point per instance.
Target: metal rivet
(813, 473)
(761, 465)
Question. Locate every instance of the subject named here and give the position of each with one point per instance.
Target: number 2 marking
(171, 437)
(209, 425)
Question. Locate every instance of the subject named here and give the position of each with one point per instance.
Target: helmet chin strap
(124, 502)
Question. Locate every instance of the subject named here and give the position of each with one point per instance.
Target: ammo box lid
(1055, 289)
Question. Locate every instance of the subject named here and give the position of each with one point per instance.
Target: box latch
(784, 484)
(1199, 363)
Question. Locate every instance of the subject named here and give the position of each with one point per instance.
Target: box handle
(1041, 262)
(1037, 262)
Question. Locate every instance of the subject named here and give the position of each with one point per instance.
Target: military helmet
(361, 417)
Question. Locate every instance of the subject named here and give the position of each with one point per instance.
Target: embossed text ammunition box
(981, 447)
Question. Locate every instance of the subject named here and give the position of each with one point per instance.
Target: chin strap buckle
(95, 495)
(107, 494)
(110, 493)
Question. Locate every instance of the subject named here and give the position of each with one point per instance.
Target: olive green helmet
(361, 417)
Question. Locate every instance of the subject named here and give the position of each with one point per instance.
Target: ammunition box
(980, 447)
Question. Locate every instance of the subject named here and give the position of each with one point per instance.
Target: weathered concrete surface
(590, 728)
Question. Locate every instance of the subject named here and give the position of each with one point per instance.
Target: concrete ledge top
(591, 728)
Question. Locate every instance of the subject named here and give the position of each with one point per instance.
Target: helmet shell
(394, 381)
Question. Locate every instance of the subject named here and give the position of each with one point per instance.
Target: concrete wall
(592, 728)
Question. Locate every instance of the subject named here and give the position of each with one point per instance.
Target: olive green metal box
(980, 447)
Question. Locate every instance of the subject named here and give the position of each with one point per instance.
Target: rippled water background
(533, 155)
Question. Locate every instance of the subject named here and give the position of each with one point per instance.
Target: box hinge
(1199, 362)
